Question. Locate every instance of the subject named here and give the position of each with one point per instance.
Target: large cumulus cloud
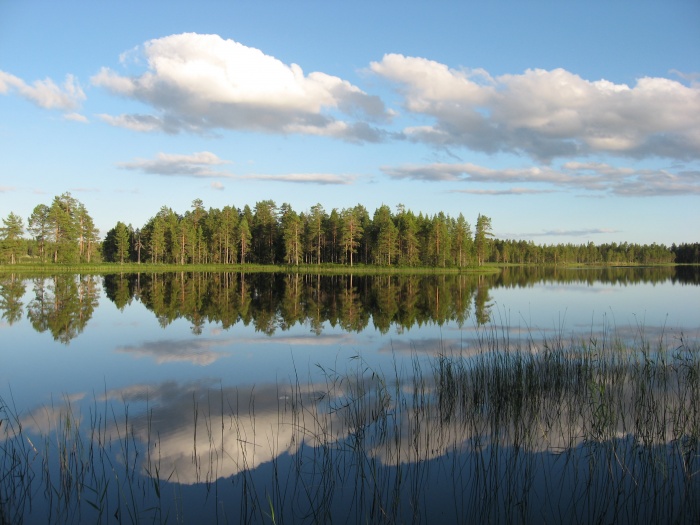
(546, 114)
(196, 82)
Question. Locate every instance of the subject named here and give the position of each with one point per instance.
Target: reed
(593, 430)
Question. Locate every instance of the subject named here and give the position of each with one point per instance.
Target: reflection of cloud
(315, 340)
(252, 426)
(196, 351)
(425, 347)
(45, 420)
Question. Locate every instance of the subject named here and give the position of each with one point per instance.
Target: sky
(573, 121)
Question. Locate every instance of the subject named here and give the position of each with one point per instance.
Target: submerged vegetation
(268, 234)
(561, 431)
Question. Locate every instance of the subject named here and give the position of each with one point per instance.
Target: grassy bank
(328, 269)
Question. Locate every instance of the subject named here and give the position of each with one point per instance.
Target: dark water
(304, 398)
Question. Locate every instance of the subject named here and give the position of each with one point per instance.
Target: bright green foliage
(123, 241)
(439, 241)
(315, 220)
(11, 238)
(482, 238)
(264, 232)
(40, 228)
(244, 238)
(385, 237)
(291, 232)
(461, 241)
(351, 231)
(408, 246)
(64, 228)
(64, 232)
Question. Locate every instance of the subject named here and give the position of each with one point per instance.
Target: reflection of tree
(12, 289)
(384, 303)
(353, 316)
(272, 302)
(482, 307)
(119, 288)
(64, 306)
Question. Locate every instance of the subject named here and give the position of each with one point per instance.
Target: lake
(534, 394)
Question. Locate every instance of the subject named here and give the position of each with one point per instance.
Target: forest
(267, 234)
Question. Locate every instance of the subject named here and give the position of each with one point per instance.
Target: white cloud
(546, 114)
(206, 165)
(510, 191)
(305, 178)
(572, 233)
(196, 165)
(200, 82)
(135, 122)
(45, 93)
(591, 177)
(76, 117)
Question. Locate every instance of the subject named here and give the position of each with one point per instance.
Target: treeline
(269, 234)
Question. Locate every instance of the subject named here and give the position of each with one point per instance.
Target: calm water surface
(77, 335)
(162, 347)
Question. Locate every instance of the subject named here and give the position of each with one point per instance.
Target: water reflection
(600, 434)
(12, 288)
(64, 304)
(274, 302)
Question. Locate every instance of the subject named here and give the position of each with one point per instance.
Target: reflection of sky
(547, 307)
(121, 348)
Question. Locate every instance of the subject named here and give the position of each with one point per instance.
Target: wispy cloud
(201, 164)
(205, 164)
(76, 117)
(546, 114)
(304, 178)
(196, 82)
(571, 233)
(45, 93)
(596, 178)
(510, 191)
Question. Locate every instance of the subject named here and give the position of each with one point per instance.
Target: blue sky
(562, 121)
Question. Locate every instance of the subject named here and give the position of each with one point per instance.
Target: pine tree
(11, 237)
(482, 238)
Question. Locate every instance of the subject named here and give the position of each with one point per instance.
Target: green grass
(110, 268)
